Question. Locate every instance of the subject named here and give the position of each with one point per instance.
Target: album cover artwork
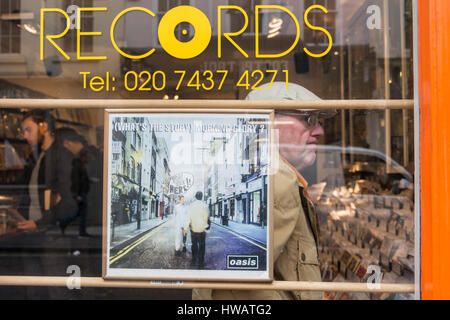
(187, 196)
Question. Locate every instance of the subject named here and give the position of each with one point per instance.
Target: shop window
(237, 19)
(361, 182)
(317, 18)
(10, 26)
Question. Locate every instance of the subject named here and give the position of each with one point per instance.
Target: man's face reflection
(297, 139)
(32, 133)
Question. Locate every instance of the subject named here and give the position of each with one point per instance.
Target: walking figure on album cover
(196, 219)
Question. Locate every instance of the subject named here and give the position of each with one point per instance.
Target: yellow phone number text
(207, 80)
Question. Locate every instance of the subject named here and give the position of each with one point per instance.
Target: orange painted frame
(434, 96)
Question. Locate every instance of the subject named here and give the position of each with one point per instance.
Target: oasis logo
(172, 19)
(242, 262)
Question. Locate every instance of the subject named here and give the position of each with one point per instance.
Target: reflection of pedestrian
(180, 220)
(295, 234)
(47, 174)
(80, 182)
(198, 222)
(48, 199)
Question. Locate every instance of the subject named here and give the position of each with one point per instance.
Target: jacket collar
(300, 178)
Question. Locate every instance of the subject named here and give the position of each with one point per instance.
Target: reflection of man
(48, 199)
(180, 220)
(198, 221)
(84, 156)
(295, 252)
(47, 173)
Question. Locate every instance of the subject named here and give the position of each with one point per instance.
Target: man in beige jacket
(295, 253)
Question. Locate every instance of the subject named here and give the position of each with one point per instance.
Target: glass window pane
(358, 162)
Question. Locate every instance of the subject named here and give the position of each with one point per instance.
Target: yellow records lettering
(80, 33)
(51, 37)
(229, 34)
(113, 26)
(330, 39)
(297, 35)
(193, 47)
(188, 49)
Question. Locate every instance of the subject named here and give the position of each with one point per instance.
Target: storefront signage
(166, 36)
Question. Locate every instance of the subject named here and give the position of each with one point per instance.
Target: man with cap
(295, 253)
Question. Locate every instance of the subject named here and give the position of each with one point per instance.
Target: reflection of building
(140, 172)
(24, 75)
(20, 44)
(236, 184)
(374, 63)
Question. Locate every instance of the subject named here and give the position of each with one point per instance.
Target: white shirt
(181, 216)
(35, 207)
(198, 216)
